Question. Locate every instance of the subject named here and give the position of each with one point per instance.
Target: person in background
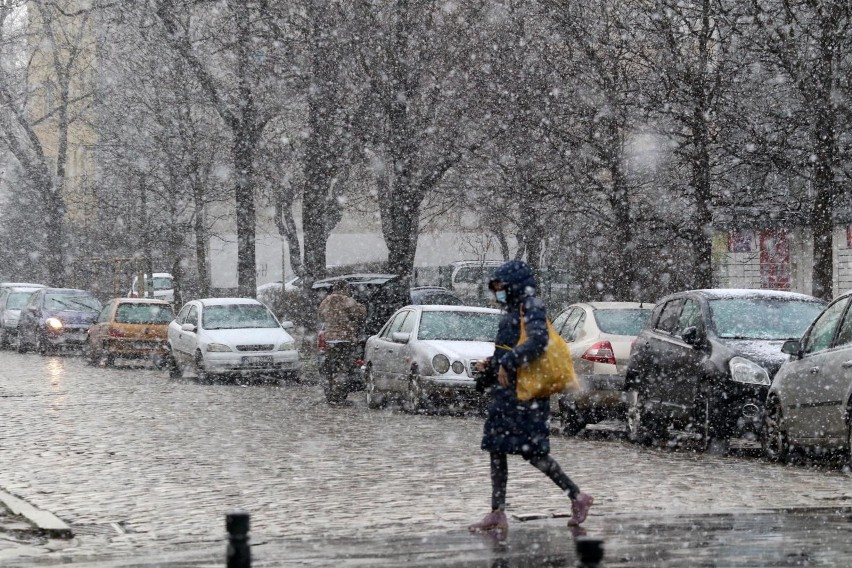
(513, 426)
(341, 314)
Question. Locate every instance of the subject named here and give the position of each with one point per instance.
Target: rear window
(144, 314)
(762, 318)
(622, 321)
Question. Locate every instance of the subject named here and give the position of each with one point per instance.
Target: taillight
(600, 352)
(321, 344)
(359, 362)
(113, 332)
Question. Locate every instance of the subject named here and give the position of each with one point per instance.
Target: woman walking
(514, 426)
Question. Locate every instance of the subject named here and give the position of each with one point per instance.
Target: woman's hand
(503, 377)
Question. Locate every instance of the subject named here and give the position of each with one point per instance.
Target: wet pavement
(145, 468)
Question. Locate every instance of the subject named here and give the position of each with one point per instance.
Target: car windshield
(762, 318)
(144, 313)
(16, 300)
(71, 302)
(458, 326)
(238, 316)
(622, 321)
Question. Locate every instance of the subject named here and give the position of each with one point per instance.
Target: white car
(12, 299)
(425, 353)
(231, 336)
(162, 284)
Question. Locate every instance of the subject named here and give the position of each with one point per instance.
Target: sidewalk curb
(46, 522)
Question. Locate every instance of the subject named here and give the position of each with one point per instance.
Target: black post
(589, 551)
(238, 552)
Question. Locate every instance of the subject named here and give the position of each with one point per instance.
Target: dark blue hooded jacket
(513, 426)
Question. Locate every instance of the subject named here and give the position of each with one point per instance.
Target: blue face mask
(500, 296)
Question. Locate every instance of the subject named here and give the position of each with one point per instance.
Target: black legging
(545, 464)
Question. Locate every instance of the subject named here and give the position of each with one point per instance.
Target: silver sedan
(426, 353)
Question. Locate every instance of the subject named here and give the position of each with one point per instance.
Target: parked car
(600, 336)
(810, 401)
(132, 328)
(162, 284)
(383, 294)
(230, 336)
(267, 293)
(56, 317)
(12, 299)
(424, 355)
(706, 358)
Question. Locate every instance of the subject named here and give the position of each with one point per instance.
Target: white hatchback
(231, 336)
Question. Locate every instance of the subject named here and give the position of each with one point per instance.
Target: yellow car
(132, 328)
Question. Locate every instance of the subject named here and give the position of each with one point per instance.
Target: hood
(462, 350)
(765, 352)
(518, 279)
(255, 336)
(72, 316)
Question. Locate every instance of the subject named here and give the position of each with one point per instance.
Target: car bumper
(461, 388)
(252, 363)
(67, 337)
(135, 347)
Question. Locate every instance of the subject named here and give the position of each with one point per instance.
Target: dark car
(56, 317)
(706, 358)
(384, 294)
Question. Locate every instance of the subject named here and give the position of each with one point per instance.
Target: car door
(807, 376)
(29, 319)
(685, 361)
(663, 351)
(98, 330)
(838, 380)
(380, 351)
(188, 340)
(399, 354)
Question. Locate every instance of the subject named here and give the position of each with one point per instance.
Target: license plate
(257, 361)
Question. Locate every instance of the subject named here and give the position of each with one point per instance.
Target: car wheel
(4, 338)
(200, 372)
(776, 448)
(175, 372)
(374, 398)
(641, 426)
(91, 354)
(110, 358)
(20, 345)
(40, 344)
(572, 420)
(414, 402)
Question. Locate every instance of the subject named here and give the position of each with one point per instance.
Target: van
(162, 283)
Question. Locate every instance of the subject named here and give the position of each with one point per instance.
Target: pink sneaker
(495, 520)
(580, 509)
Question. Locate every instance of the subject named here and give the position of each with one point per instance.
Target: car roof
(430, 289)
(66, 291)
(357, 278)
(228, 301)
(21, 285)
(616, 305)
(440, 308)
(729, 293)
(141, 301)
(22, 289)
(476, 263)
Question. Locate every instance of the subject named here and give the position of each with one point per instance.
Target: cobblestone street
(140, 464)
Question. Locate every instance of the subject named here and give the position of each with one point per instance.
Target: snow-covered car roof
(755, 293)
(439, 308)
(21, 285)
(617, 305)
(142, 301)
(228, 301)
(357, 278)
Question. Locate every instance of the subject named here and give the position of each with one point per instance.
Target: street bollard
(238, 552)
(589, 551)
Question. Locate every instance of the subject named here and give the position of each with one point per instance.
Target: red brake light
(600, 352)
(113, 332)
(321, 344)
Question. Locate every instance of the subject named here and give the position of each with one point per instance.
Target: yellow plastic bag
(551, 372)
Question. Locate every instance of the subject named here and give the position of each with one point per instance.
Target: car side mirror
(792, 347)
(693, 336)
(400, 337)
(32, 309)
(188, 327)
(287, 325)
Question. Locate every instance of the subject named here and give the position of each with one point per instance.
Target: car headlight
(217, 347)
(287, 346)
(745, 371)
(441, 364)
(458, 367)
(53, 323)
